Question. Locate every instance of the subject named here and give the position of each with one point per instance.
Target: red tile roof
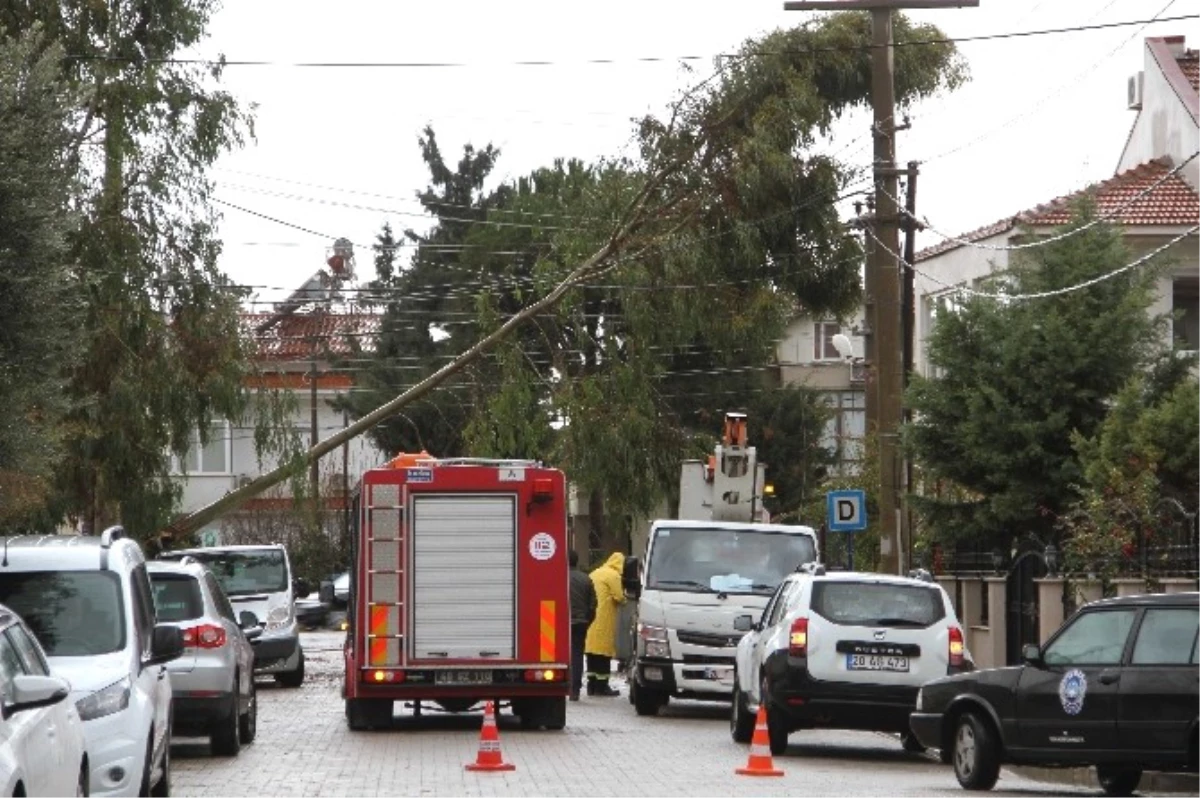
(302, 335)
(1189, 62)
(1171, 203)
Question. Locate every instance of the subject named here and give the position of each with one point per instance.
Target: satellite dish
(843, 346)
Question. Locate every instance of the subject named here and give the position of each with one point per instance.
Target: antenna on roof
(5, 563)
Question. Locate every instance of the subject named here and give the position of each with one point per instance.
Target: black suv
(1115, 687)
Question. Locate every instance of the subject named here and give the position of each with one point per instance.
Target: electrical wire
(1041, 242)
(1040, 294)
(223, 62)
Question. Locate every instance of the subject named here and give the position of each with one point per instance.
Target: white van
(698, 577)
(259, 579)
(89, 602)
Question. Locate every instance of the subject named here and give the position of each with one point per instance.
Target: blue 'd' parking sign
(847, 510)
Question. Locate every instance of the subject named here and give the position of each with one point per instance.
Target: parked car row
(1116, 687)
(103, 656)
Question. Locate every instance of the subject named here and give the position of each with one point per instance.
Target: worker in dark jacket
(583, 612)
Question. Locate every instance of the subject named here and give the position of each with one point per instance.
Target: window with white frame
(210, 458)
(823, 348)
(1185, 305)
(845, 429)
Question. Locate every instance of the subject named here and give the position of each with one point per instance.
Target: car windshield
(176, 597)
(72, 613)
(246, 572)
(724, 560)
(854, 603)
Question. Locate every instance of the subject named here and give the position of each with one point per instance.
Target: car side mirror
(301, 588)
(31, 691)
(166, 645)
(1032, 655)
(325, 592)
(743, 623)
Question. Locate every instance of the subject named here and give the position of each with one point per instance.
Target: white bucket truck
(721, 559)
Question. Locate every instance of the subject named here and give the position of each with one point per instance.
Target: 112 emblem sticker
(1072, 690)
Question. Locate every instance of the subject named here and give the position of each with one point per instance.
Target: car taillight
(956, 646)
(547, 675)
(798, 641)
(204, 636)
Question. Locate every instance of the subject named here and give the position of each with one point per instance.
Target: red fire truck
(458, 590)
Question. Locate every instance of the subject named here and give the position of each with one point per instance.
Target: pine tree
(1019, 378)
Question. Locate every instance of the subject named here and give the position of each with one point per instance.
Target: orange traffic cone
(760, 763)
(489, 757)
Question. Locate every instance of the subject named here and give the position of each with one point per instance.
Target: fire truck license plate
(463, 677)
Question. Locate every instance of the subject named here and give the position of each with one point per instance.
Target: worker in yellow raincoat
(601, 643)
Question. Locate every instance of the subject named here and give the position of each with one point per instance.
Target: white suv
(88, 600)
(844, 650)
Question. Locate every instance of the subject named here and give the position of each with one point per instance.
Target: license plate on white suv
(871, 662)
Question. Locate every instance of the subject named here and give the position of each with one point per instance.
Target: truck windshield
(245, 572)
(724, 560)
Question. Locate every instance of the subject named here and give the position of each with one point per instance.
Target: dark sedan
(1115, 687)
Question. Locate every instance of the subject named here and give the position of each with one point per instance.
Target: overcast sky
(1042, 115)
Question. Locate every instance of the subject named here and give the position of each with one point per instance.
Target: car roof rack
(812, 568)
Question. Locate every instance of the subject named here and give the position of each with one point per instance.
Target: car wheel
(292, 678)
(648, 702)
(225, 739)
(1118, 781)
(249, 721)
(82, 787)
(777, 732)
(741, 722)
(976, 758)
(910, 743)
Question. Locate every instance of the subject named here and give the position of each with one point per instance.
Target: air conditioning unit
(1134, 91)
(858, 373)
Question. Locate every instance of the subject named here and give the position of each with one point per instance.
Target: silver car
(213, 682)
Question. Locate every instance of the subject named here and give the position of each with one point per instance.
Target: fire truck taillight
(384, 677)
(547, 675)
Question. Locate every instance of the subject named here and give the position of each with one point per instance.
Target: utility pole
(883, 345)
(908, 303)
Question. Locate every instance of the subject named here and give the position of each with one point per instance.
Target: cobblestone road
(304, 749)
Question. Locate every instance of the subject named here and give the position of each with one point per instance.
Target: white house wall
(200, 490)
(1164, 126)
(962, 266)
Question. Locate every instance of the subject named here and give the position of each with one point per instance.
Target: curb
(1152, 781)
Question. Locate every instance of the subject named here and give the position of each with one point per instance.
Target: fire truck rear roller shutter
(463, 572)
(385, 524)
(385, 495)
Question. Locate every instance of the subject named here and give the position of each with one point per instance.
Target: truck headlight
(105, 701)
(920, 700)
(654, 640)
(277, 618)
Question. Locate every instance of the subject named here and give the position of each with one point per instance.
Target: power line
(1041, 242)
(228, 62)
(1041, 294)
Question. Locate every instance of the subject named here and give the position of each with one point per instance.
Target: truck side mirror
(743, 623)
